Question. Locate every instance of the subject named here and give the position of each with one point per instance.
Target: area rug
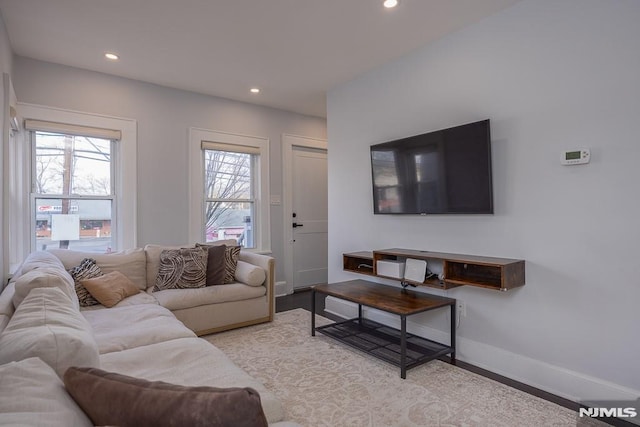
(324, 383)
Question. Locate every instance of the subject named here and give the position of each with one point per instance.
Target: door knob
(296, 225)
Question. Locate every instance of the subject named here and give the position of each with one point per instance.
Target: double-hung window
(72, 182)
(228, 189)
(73, 187)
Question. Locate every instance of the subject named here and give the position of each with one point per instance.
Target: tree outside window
(229, 196)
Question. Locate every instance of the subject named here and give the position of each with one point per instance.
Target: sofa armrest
(268, 263)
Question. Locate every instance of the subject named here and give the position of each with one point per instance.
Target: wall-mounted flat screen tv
(443, 172)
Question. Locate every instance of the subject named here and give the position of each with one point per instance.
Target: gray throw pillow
(184, 268)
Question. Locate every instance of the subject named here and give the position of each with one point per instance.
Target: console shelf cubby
(457, 270)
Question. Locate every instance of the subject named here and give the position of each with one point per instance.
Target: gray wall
(551, 76)
(164, 116)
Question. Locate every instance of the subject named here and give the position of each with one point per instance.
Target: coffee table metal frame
(381, 341)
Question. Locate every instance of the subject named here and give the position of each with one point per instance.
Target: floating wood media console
(485, 272)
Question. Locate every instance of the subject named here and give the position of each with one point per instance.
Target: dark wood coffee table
(381, 341)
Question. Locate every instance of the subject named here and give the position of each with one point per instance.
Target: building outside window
(73, 193)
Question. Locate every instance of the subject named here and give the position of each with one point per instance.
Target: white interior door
(309, 216)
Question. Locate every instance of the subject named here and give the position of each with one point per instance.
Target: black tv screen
(443, 172)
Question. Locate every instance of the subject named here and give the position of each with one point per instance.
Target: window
(95, 198)
(73, 191)
(228, 188)
(229, 182)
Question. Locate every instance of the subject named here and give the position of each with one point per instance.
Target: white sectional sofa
(43, 332)
(250, 300)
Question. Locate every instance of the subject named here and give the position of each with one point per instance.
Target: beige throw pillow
(111, 288)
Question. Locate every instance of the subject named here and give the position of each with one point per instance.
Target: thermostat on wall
(576, 157)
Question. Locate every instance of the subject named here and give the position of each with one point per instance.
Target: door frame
(288, 143)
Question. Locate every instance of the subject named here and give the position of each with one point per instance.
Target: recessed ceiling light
(111, 56)
(254, 90)
(390, 3)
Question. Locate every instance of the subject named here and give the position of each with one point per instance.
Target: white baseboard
(560, 381)
(281, 289)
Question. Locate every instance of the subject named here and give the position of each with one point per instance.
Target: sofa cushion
(32, 394)
(216, 264)
(48, 326)
(6, 305)
(130, 262)
(87, 269)
(250, 274)
(114, 399)
(6, 299)
(189, 362)
(4, 321)
(176, 299)
(121, 328)
(45, 277)
(184, 268)
(111, 288)
(36, 259)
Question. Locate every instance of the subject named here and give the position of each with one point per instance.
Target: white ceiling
(293, 50)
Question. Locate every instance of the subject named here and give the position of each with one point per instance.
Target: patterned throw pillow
(231, 263)
(184, 268)
(88, 269)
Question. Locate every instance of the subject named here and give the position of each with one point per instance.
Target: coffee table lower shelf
(383, 342)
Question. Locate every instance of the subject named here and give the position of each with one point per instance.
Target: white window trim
(125, 173)
(196, 183)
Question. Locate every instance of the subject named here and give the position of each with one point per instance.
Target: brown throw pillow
(216, 265)
(111, 288)
(87, 269)
(231, 255)
(119, 400)
(184, 268)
